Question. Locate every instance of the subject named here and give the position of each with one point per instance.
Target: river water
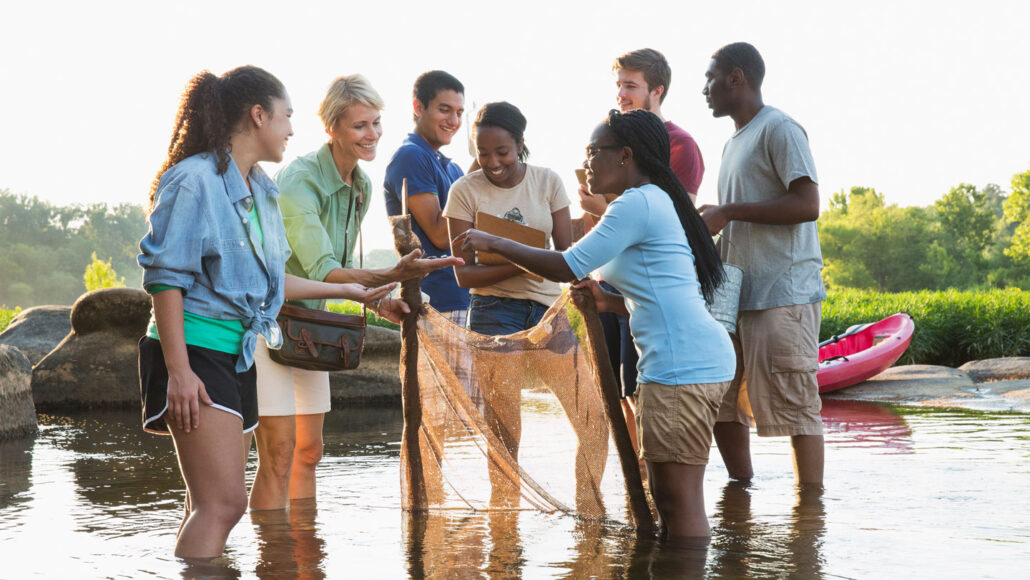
(910, 492)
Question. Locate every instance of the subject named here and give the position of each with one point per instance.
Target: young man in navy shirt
(439, 103)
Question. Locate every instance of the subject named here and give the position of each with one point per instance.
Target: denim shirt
(201, 240)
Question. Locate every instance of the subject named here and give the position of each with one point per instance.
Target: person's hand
(364, 294)
(590, 286)
(413, 266)
(185, 393)
(715, 217)
(392, 309)
(472, 240)
(592, 204)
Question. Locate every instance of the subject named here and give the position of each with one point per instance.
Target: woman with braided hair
(214, 262)
(651, 245)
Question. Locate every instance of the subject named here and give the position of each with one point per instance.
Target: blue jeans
(494, 315)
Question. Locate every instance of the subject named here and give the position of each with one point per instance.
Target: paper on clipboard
(510, 230)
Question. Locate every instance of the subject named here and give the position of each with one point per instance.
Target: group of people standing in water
(227, 245)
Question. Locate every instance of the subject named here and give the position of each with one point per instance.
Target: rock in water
(998, 369)
(17, 413)
(377, 378)
(96, 365)
(36, 331)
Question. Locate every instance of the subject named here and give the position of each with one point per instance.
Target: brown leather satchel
(318, 340)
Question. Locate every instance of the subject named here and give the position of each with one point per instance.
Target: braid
(645, 134)
(210, 110)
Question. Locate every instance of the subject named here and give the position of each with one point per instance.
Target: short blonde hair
(344, 92)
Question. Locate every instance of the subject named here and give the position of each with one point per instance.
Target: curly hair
(210, 111)
(507, 116)
(645, 134)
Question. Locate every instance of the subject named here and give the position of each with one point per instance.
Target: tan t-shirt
(530, 203)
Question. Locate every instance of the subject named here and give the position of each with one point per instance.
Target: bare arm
(472, 275)
(561, 229)
(410, 266)
(425, 208)
(799, 205)
(297, 288)
(185, 389)
(547, 263)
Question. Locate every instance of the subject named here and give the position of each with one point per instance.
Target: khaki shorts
(674, 422)
(284, 391)
(777, 359)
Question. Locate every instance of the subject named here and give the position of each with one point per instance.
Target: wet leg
(678, 491)
(209, 457)
(276, 438)
(808, 458)
(306, 455)
(733, 440)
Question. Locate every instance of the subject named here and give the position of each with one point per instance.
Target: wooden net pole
(411, 397)
(639, 507)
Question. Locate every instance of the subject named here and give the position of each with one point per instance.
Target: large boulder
(36, 331)
(998, 369)
(377, 378)
(17, 413)
(96, 365)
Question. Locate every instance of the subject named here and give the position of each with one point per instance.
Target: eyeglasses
(593, 150)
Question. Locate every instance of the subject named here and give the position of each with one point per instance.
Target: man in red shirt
(643, 78)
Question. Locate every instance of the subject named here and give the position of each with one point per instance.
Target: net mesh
(513, 422)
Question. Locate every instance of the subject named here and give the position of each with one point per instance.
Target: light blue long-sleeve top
(641, 249)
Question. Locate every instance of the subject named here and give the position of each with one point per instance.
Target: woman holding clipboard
(506, 299)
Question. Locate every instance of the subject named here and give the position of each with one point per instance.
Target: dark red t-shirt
(685, 157)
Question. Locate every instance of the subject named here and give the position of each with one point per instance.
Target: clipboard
(510, 230)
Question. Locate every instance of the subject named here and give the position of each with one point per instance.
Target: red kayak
(863, 351)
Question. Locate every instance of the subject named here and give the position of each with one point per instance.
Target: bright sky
(911, 98)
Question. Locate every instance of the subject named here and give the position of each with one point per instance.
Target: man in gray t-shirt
(768, 204)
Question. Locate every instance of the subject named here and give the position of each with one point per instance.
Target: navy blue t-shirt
(427, 171)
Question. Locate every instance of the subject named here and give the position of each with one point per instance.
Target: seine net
(514, 422)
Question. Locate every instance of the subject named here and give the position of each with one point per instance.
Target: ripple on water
(935, 491)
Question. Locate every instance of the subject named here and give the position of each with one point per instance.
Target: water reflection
(807, 527)
(861, 424)
(15, 467)
(288, 542)
(906, 490)
(747, 546)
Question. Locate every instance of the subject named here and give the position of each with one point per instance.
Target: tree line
(969, 239)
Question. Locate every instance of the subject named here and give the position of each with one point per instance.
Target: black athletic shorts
(230, 391)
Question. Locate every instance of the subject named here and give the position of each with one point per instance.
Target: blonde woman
(325, 196)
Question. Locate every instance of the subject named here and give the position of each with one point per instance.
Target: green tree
(871, 245)
(100, 274)
(965, 223)
(1017, 211)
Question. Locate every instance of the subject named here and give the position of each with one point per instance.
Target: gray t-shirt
(782, 264)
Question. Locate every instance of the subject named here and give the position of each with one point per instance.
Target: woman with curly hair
(213, 261)
(652, 245)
